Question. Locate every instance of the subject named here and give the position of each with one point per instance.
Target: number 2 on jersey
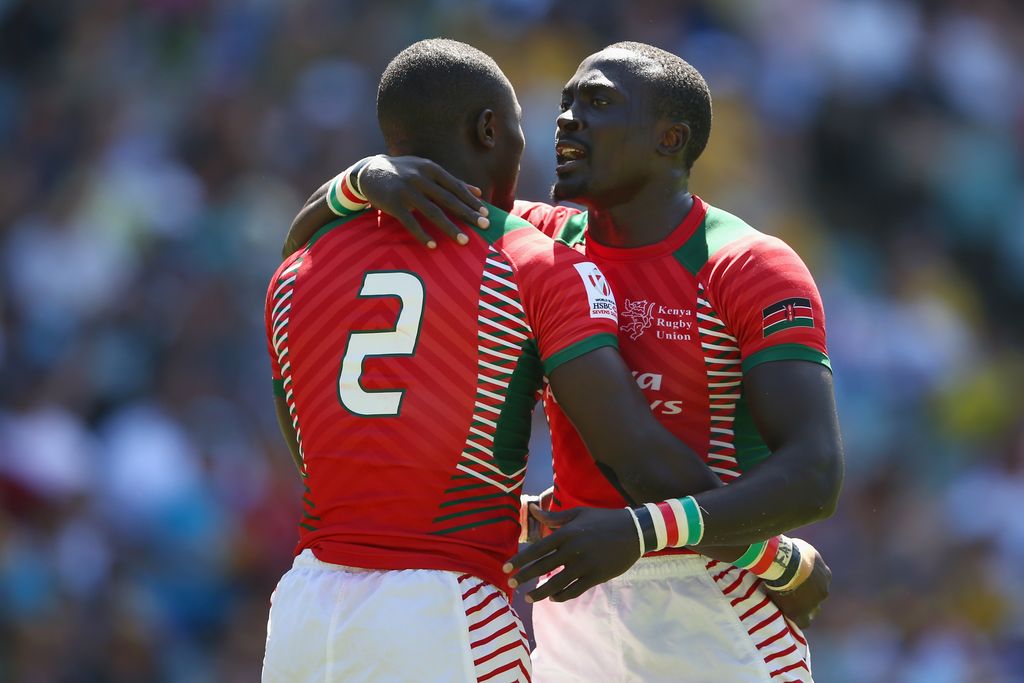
(400, 341)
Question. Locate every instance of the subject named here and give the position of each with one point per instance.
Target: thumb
(553, 520)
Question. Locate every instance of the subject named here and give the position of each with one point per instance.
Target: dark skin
(631, 177)
(628, 174)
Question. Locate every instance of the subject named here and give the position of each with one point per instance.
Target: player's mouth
(569, 155)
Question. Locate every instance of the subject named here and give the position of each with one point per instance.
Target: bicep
(598, 394)
(793, 401)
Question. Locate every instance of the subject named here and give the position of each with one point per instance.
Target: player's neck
(647, 218)
(464, 167)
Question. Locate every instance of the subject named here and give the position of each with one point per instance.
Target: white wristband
(639, 531)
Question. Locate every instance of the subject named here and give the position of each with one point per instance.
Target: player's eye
(564, 105)
(599, 102)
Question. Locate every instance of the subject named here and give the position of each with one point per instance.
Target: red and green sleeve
(767, 298)
(568, 301)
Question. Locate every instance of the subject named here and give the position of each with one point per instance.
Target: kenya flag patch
(795, 312)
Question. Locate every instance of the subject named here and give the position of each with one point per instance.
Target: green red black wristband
(672, 523)
(343, 194)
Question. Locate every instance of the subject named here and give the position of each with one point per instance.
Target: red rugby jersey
(697, 311)
(410, 376)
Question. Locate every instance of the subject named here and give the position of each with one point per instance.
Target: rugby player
(725, 332)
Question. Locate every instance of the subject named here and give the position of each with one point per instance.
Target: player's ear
(485, 121)
(673, 138)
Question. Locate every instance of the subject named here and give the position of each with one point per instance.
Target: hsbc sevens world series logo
(640, 315)
(599, 284)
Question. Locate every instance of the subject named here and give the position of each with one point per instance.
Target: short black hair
(430, 87)
(679, 92)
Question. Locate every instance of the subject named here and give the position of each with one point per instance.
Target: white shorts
(334, 624)
(674, 618)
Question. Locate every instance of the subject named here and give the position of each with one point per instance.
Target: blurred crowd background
(153, 153)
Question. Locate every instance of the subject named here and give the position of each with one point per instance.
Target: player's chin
(568, 189)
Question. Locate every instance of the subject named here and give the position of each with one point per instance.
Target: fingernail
(512, 583)
(484, 211)
(528, 599)
(462, 238)
(482, 222)
(507, 567)
(475, 190)
(431, 244)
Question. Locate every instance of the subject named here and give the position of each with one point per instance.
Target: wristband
(672, 523)
(799, 569)
(343, 195)
(776, 560)
(748, 558)
(639, 531)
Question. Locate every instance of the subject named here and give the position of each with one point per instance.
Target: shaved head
(679, 91)
(434, 88)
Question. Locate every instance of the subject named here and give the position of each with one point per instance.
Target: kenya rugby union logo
(639, 314)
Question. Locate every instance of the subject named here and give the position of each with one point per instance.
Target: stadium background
(154, 151)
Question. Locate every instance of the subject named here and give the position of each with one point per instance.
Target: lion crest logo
(640, 316)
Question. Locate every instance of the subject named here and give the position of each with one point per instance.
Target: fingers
(555, 585)
(464, 196)
(532, 553)
(552, 520)
(415, 229)
(577, 588)
(544, 565)
(456, 207)
(435, 215)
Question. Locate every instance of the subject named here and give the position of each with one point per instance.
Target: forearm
(314, 212)
(654, 467)
(796, 486)
(339, 196)
(656, 480)
(793, 488)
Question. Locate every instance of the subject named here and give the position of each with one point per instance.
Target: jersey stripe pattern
(722, 367)
(279, 315)
(412, 374)
(484, 490)
(497, 640)
(781, 644)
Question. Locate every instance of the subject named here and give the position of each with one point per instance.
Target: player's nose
(568, 121)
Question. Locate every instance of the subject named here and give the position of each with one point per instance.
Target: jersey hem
(578, 349)
(786, 352)
(396, 560)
